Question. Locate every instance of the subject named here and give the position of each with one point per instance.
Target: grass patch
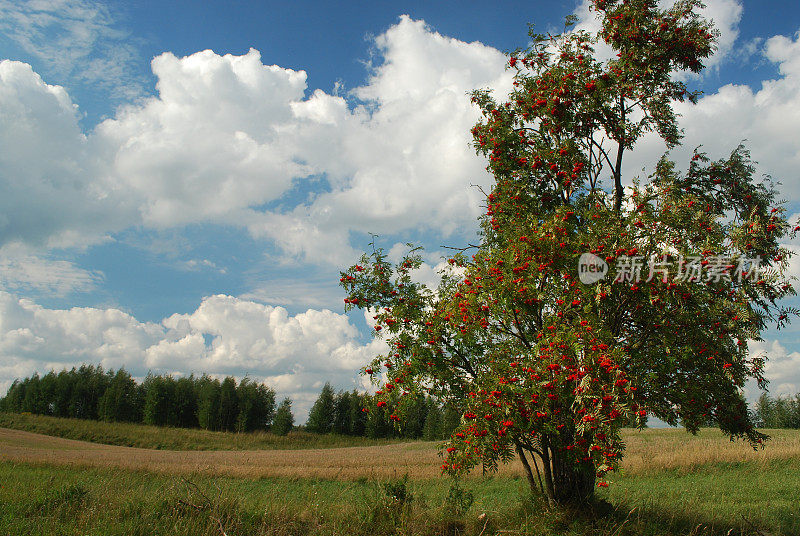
(740, 495)
(735, 499)
(165, 438)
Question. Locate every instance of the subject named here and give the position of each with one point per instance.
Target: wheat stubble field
(648, 451)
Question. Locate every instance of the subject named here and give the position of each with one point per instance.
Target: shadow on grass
(394, 507)
(207, 506)
(602, 518)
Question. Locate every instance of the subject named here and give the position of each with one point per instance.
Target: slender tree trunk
(526, 465)
(538, 474)
(618, 164)
(547, 470)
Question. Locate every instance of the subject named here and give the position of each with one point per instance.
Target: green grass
(50, 500)
(156, 437)
(741, 496)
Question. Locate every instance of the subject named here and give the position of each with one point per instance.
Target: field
(672, 484)
(155, 437)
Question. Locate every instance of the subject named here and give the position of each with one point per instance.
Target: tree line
(778, 412)
(359, 414)
(90, 392)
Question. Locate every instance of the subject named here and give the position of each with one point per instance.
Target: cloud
(74, 40)
(766, 120)
(23, 270)
(225, 335)
(726, 16)
(196, 265)
(210, 143)
(36, 338)
(52, 193)
(402, 160)
(227, 137)
(782, 368)
(314, 292)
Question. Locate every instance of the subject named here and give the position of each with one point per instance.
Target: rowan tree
(541, 365)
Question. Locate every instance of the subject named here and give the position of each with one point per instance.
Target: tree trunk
(617, 171)
(572, 483)
(565, 483)
(527, 466)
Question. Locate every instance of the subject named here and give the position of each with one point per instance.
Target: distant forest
(778, 412)
(89, 392)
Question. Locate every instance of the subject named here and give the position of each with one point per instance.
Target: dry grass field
(649, 451)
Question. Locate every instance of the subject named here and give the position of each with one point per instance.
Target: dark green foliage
(284, 420)
(358, 415)
(208, 393)
(451, 419)
(228, 405)
(378, 424)
(121, 402)
(432, 429)
(12, 401)
(34, 399)
(414, 417)
(256, 406)
(89, 385)
(159, 401)
(185, 402)
(62, 393)
(90, 392)
(322, 414)
(342, 418)
(75, 393)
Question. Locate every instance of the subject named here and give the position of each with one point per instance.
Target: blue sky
(182, 181)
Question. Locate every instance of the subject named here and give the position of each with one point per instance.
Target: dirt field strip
(647, 450)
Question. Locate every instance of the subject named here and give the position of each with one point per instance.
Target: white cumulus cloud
(225, 136)
(210, 143)
(225, 335)
(782, 368)
(51, 193)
